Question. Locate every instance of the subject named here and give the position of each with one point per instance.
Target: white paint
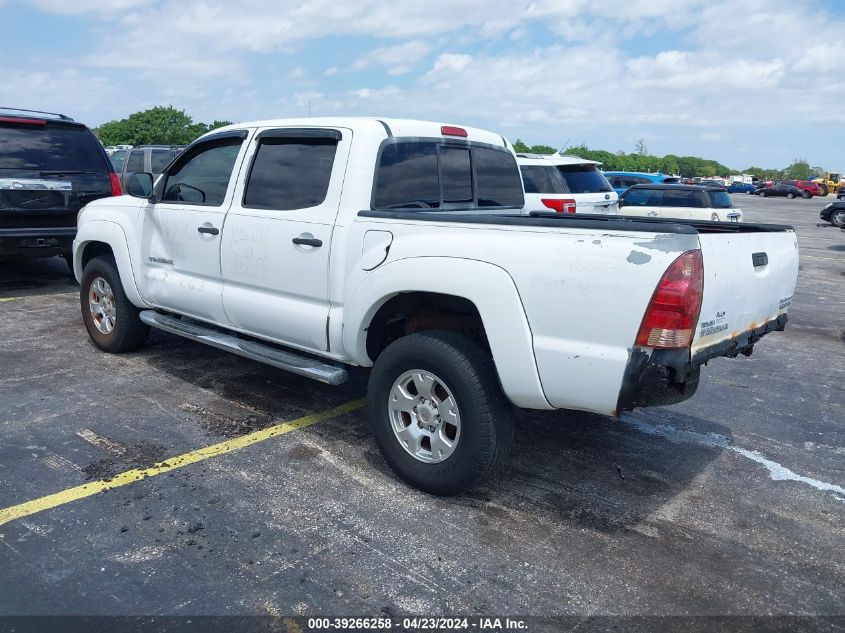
(776, 471)
(104, 443)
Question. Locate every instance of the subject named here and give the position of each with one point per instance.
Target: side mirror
(140, 185)
(621, 202)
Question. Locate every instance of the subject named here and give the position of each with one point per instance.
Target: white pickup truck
(317, 244)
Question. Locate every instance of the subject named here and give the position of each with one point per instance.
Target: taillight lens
(453, 130)
(116, 189)
(672, 314)
(561, 206)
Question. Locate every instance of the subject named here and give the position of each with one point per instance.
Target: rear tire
(806, 195)
(68, 257)
(440, 388)
(110, 318)
(762, 194)
(825, 190)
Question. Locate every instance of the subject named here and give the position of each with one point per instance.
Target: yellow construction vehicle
(830, 182)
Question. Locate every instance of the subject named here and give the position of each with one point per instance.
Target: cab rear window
(50, 147)
(436, 175)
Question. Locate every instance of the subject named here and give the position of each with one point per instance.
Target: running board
(302, 365)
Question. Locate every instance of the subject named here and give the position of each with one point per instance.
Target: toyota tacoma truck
(318, 244)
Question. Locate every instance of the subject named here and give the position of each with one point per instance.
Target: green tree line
(685, 166)
(156, 126)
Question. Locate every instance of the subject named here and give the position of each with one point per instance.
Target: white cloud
(397, 59)
(672, 71)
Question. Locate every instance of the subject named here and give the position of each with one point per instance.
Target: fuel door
(375, 249)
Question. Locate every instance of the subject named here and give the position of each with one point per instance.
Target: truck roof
(392, 127)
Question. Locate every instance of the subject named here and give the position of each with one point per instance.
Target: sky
(750, 82)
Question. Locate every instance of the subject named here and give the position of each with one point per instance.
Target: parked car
(741, 187)
(689, 202)
(780, 189)
(711, 183)
(143, 158)
(50, 166)
(841, 195)
(566, 184)
(254, 241)
(834, 212)
(621, 180)
(808, 187)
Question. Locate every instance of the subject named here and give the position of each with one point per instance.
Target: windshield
(584, 179)
(50, 148)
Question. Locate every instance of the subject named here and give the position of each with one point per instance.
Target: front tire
(438, 413)
(790, 195)
(837, 218)
(110, 318)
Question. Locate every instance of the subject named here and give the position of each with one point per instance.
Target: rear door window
(135, 162)
(583, 179)
(50, 147)
(290, 173)
(160, 158)
(643, 197)
(538, 179)
(682, 198)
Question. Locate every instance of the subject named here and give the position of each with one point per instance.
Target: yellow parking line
(5, 299)
(137, 474)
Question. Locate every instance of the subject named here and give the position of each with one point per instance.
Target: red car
(808, 187)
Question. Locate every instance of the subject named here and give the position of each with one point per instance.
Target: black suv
(50, 167)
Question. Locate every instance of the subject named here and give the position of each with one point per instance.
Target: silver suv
(149, 158)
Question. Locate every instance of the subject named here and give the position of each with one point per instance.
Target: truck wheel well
(95, 249)
(410, 312)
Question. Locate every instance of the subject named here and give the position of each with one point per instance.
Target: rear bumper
(659, 377)
(36, 242)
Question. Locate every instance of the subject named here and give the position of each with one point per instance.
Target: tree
(641, 149)
(156, 126)
(798, 170)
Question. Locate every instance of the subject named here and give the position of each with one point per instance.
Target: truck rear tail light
(116, 189)
(566, 205)
(451, 130)
(672, 313)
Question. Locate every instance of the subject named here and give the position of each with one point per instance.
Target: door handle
(208, 229)
(307, 241)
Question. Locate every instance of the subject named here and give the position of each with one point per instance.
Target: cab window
(290, 173)
(201, 176)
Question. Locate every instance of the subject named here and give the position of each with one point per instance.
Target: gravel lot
(731, 503)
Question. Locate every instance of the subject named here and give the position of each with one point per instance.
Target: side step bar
(263, 353)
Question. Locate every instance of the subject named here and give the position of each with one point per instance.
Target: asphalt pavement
(731, 503)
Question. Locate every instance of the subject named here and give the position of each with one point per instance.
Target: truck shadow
(590, 470)
(25, 277)
(599, 472)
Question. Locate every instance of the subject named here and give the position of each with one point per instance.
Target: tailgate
(749, 280)
(599, 203)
